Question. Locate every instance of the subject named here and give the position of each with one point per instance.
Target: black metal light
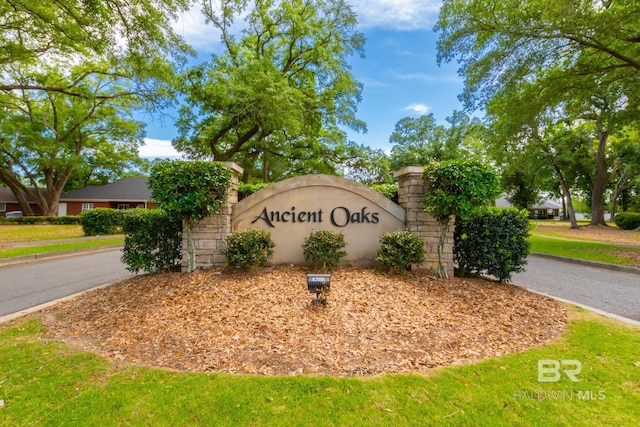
(317, 284)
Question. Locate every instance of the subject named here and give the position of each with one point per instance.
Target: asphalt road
(609, 291)
(27, 285)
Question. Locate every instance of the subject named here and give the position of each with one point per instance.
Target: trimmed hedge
(323, 248)
(249, 248)
(101, 221)
(492, 241)
(398, 250)
(57, 220)
(627, 220)
(152, 241)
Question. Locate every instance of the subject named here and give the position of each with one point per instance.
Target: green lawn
(28, 233)
(33, 250)
(43, 382)
(585, 250)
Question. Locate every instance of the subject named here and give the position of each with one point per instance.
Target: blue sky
(400, 74)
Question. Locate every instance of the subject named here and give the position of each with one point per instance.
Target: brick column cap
(409, 170)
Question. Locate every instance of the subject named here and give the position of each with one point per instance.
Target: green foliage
(493, 241)
(420, 141)
(72, 75)
(627, 220)
(245, 190)
(62, 220)
(279, 90)
(365, 165)
(399, 249)
(537, 65)
(390, 191)
(456, 187)
(191, 189)
(249, 248)
(153, 240)
(101, 221)
(323, 248)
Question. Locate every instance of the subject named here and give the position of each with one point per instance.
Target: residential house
(9, 203)
(124, 194)
(544, 209)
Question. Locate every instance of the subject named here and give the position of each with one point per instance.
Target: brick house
(127, 193)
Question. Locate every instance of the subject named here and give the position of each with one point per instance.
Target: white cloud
(157, 148)
(397, 14)
(427, 78)
(403, 15)
(419, 108)
(201, 36)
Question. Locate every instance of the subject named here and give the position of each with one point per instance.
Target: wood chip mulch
(263, 323)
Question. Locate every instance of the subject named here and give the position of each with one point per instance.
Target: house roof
(502, 202)
(6, 195)
(125, 190)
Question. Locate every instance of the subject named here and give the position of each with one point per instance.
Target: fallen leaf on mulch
(263, 322)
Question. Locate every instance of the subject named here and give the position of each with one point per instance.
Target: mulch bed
(262, 322)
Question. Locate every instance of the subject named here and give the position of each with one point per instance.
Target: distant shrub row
(58, 220)
(627, 220)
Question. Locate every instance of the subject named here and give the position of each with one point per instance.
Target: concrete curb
(612, 267)
(18, 314)
(5, 262)
(626, 320)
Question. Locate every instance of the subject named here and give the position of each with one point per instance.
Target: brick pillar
(209, 234)
(411, 189)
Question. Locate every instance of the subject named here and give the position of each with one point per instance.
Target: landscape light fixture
(319, 284)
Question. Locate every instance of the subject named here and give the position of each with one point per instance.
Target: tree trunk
(441, 271)
(191, 250)
(566, 196)
(601, 179)
(621, 185)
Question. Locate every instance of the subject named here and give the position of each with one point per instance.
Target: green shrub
(101, 221)
(152, 241)
(249, 248)
(245, 190)
(492, 241)
(390, 191)
(398, 250)
(323, 248)
(67, 219)
(627, 220)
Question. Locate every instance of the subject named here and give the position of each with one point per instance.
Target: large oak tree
(71, 73)
(572, 61)
(284, 80)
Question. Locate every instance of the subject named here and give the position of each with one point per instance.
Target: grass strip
(28, 233)
(589, 251)
(43, 382)
(34, 250)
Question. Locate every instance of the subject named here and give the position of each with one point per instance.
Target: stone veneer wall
(411, 189)
(209, 234)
